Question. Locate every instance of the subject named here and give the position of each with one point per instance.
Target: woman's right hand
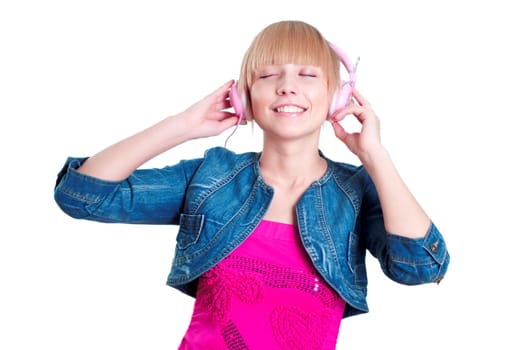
(205, 118)
(209, 116)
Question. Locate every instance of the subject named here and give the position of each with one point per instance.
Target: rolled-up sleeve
(405, 260)
(147, 196)
(416, 261)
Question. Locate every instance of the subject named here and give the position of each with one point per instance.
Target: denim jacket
(218, 200)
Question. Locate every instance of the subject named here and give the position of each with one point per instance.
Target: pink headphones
(341, 99)
(343, 96)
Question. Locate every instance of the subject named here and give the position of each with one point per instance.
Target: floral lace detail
(245, 287)
(245, 278)
(284, 277)
(295, 329)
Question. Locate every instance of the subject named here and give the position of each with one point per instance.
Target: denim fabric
(218, 200)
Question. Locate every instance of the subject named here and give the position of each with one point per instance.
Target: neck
(291, 164)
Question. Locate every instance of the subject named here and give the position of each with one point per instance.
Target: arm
(404, 259)
(402, 214)
(108, 188)
(205, 118)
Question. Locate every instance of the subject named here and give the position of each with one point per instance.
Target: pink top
(265, 295)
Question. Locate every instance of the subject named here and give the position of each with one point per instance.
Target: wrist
(375, 158)
(178, 129)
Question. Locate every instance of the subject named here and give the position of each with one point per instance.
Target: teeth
(290, 109)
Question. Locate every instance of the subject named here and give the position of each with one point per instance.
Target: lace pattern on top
(265, 295)
(245, 279)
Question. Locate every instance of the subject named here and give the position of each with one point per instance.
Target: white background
(446, 78)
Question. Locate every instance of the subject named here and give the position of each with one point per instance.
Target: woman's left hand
(368, 140)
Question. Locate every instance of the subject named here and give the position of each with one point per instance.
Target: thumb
(230, 122)
(339, 131)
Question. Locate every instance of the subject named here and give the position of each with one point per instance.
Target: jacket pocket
(190, 227)
(356, 260)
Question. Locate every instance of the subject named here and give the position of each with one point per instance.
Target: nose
(287, 86)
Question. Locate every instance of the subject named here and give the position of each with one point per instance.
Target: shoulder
(224, 156)
(227, 154)
(224, 160)
(345, 171)
(350, 178)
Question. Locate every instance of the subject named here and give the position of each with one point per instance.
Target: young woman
(272, 244)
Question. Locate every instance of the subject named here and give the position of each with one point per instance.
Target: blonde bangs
(289, 42)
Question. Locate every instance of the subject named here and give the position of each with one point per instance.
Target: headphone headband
(350, 67)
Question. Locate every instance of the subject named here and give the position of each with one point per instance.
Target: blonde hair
(288, 42)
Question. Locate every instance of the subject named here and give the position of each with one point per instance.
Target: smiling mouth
(290, 109)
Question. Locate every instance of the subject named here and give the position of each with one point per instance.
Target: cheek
(322, 98)
(258, 98)
(322, 103)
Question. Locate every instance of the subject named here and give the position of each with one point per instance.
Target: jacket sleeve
(404, 260)
(148, 196)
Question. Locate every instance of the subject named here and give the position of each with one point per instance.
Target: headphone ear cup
(237, 103)
(342, 97)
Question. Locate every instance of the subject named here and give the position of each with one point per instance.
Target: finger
(228, 84)
(224, 104)
(340, 132)
(223, 90)
(230, 121)
(359, 98)
(228, 115)
(356, 110)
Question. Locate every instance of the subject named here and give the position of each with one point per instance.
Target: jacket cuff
(81, 187)
(419, 250)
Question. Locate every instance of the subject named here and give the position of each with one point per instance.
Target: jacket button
(433, 247)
